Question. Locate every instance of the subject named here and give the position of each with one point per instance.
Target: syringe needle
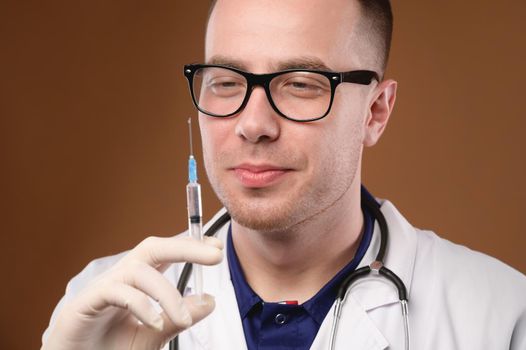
(190, 134)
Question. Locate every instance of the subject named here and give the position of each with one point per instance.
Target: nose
(258, 122)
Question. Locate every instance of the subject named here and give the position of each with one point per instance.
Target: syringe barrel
(195, 228)
(193, 200)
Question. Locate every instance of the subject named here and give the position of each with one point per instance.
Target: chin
(264, 216)
(262, 224)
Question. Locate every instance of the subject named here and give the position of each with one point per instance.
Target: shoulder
(459, 298)
(445, 260)
(458, 263)
(467, 287)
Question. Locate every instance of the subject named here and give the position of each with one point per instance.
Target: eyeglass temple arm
(363, 77)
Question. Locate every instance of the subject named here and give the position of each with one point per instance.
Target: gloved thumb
(199, 306)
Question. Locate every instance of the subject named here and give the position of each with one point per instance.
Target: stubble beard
(271, 212)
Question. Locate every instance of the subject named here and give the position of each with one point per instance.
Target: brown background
(93, 137)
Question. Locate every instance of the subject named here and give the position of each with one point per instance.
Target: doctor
(286, 163)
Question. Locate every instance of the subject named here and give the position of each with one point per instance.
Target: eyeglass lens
(297, 95)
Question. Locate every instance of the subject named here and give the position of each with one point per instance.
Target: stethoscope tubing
(377, 268)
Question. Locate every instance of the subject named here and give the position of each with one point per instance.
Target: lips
(259, 176)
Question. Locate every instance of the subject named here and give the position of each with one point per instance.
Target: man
(283, 152)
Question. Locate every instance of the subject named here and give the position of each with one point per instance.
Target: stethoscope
(376, 268)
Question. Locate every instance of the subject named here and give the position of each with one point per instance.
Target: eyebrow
(227, 62)
(304, 62)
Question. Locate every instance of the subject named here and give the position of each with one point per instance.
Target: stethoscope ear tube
(400, 286)
(359, 273)
(366, 270)
(377, 266)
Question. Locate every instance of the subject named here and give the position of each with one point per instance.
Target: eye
(304, 86)
(226, 86)
(301, 85)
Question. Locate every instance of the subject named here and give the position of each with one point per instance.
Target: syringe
(193, 200)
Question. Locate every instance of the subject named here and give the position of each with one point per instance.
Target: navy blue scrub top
(287, 325)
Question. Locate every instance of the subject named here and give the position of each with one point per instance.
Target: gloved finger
(198, 307)
(122, 296)
(156, 251)
(155, 285)
(213, 241)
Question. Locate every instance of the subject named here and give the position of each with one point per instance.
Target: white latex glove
(106, 314)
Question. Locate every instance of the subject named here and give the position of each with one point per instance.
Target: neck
(295, 264)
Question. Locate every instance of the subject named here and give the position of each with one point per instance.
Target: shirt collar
(246, 297)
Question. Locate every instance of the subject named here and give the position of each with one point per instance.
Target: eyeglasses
(301, 95)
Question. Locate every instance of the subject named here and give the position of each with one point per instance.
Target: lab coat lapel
(355, 331)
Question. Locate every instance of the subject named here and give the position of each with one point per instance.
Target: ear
(380, 109)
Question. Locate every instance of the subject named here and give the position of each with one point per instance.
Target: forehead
(262, 34)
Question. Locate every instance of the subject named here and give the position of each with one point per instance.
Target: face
(269, 172)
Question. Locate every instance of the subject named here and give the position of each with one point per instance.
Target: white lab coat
(458, 299)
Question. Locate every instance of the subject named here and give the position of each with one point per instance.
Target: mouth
(259, 176)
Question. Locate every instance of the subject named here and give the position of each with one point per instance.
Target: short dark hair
(378, 16)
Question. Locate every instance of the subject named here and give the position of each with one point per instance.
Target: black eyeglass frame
(362, 77)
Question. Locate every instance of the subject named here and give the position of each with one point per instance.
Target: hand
(106, 314)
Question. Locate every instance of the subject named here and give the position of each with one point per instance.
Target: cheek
(214, 134)
(344, 134)
(350, 110)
